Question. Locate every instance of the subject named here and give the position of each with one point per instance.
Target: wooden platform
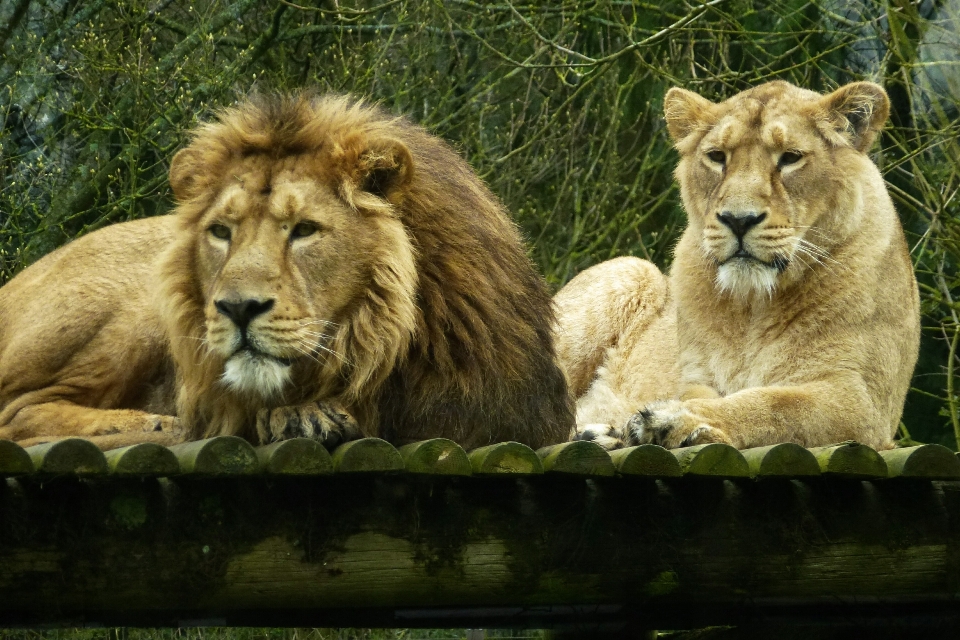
(217, 532)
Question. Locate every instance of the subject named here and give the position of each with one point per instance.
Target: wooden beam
(378, 544)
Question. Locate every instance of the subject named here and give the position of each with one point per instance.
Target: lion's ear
(857, 112)
(684, 112)
(184, 174)
(384, 168)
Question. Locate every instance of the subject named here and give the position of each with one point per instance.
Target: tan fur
(396, 289)
(812, 335)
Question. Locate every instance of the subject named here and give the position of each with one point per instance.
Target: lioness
(791, 313)
(325, 263)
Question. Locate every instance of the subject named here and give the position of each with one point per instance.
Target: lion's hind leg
(108, 428)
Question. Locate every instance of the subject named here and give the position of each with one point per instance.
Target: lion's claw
(321, 421)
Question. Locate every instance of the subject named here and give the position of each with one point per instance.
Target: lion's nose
(740, 223)
(243, 311)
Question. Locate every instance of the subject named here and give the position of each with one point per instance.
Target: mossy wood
(784, 460)
(580, 457)
(406, 550)
(220, 456)
(70, 456)
(712, 460)
(14, 461)
(367, 455)
(850, 460)
(505, 458)
(436, 456)
(295, 457)
(144, 459)
(646, 460)
(927, 461)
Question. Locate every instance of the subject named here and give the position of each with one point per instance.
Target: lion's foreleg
(109, 428)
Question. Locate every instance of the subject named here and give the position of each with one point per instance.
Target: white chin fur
(742, 278)
(247, 373)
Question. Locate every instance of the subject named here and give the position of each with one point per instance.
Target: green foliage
(556, 104)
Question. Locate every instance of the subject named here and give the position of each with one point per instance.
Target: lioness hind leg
(108, 428)
(326, 422)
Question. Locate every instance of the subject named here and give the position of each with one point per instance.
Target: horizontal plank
(784, 460)
(406, 549)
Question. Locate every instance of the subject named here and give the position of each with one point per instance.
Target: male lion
(791, 313)
(325, 261)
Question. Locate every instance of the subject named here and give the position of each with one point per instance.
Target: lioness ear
(184, 176)
(684, 112)
(856, 112)
(384, 168)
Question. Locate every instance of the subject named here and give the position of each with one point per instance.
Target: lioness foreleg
(810, 414)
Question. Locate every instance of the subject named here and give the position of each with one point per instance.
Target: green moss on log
(366, 455)
(927, 461)
(850, 460)
(437, 456)
(580, 457)
(295, 457)
(144, 459)
(786, 459)
(14, 461)
(712, 460)
(646, 460)
(71, 456)
(505, 458)
(220, 456)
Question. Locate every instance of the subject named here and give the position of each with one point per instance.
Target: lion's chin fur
(743, 279)
(250, 374)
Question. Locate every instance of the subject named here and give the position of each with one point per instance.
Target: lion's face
(280, 258)
(290, 253)
(761, 174)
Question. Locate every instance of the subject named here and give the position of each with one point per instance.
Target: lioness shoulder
(796, 305)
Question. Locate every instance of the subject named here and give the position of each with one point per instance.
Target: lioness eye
(304, 229)
(788, 158)
(717, 156)
(219, 231)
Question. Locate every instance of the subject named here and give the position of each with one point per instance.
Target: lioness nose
(243, 311)
(740, 223)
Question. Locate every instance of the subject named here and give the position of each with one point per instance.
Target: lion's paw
(604, 435)
(671, 425)
(327, 423)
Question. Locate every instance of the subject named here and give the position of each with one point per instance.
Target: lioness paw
(603, 434)
(322, 421)
(671, 425)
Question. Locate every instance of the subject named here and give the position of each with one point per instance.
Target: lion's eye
(304, 229)
(717, 156)
(219, 231)
(789, 157)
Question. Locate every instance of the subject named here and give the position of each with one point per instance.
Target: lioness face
(759, 178)
(281, 258)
